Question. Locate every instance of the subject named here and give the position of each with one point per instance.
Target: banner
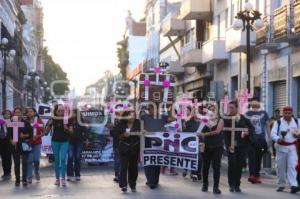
(44, 111)
(98, 147)
(179, 150)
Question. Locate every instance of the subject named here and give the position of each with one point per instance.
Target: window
(232, 15)
(218, 26)
(188, 35)
(226, 18)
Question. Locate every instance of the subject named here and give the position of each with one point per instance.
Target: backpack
(279, 122)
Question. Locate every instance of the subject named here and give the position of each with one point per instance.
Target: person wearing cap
(284, 133)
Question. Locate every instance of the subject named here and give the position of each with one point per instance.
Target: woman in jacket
(36, 142)
(21, 148)
(129, 151)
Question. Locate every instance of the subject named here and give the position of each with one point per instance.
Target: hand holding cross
(233, 129)
(15, 124)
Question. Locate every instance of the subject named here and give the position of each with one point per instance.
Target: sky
(81, 35)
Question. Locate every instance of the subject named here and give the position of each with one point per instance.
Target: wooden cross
(15, 124)
(233, 129)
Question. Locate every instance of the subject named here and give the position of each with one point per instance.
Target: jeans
(74, 159)
(255, 158)
(60, 151)
(5, 154)
(34, 158)
(116, 162)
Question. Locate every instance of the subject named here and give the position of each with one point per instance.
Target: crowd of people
(238, 136)
(21, 133)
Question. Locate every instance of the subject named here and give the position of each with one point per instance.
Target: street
(97, 183)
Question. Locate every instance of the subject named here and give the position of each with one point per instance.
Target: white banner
(179, 150)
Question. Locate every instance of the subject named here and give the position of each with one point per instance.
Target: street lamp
(34, 77)
(248, 20)
(6, 52)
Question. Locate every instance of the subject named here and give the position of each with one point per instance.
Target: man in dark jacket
(237, 129)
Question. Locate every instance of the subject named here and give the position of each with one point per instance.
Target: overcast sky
(81, 35)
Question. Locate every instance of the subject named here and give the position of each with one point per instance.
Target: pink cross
(184, 102)
(66, 113)
(224, 103)
(243, 100)
(35, 127)
(15, 124)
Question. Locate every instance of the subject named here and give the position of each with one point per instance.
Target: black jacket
(27, 129)
(242, 123)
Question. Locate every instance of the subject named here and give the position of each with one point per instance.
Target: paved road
(97, 183)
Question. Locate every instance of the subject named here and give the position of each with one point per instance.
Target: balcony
(196, 9)
(264, 36)
(236, 40)
(281, 24)
(171, 26)
(175, 68)
(191, 54)
(213, 51)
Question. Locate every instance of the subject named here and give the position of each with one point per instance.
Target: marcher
(152, 124)
(34, 156)
(285, 133)
(276, 116)
(170, 127)
(22, 147)
(114, 133)
(60, 143)
(191, 124)
(129, 150)
(76, 141)
(239, 128)
(258, 143)
(5, 146)
(213, 140)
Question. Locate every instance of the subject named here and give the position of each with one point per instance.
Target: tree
(52, 72)
(123, 57)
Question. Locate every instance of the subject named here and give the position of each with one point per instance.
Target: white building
(206, 54)
(33, 35)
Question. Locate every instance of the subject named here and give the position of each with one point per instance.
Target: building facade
(207, 55)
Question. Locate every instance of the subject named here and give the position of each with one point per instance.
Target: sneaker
(295, 189)
(69, 178)
(133, 190)
(204, 188)
(57, 182)
(116, 179)
(29, 180)
(6, 177)
(24, 184)
(237, 189)
(252, 179)
(280, 189)
(257, 179)
(17, 183)
(63, 182)
(217, 191)
(124, 189)
(77, 178)
(37, 177)
(231, 189)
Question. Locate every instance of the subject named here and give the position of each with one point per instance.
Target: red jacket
(38, 131)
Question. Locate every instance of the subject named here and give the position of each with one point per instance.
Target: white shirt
(285, 126)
